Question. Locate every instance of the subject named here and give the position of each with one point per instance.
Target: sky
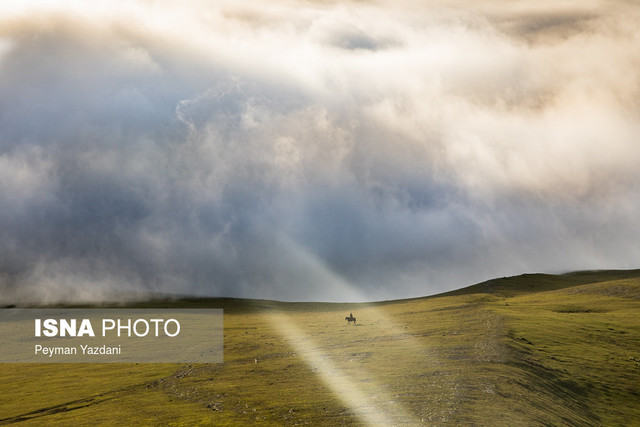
(303, 150)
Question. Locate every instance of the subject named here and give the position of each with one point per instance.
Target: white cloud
(193, 146)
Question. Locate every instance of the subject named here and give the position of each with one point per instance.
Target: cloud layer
(303, 151)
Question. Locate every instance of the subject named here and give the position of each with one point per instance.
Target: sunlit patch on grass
(370, 404)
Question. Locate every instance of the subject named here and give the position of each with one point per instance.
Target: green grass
(525, 350)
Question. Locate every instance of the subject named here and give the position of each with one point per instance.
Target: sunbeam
(372, 405)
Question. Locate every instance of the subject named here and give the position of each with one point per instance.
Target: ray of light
(373, 410)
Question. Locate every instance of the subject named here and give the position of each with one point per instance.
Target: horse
(350, 319)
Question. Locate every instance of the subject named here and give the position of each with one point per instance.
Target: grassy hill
(528, 350)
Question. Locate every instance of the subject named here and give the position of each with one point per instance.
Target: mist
(330, 151)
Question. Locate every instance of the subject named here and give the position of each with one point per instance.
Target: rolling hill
(534, 349)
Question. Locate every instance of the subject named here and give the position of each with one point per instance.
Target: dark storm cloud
(325, 152)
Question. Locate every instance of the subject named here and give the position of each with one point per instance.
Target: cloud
(335, 151)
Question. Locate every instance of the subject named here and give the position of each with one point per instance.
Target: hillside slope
(526, 350)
